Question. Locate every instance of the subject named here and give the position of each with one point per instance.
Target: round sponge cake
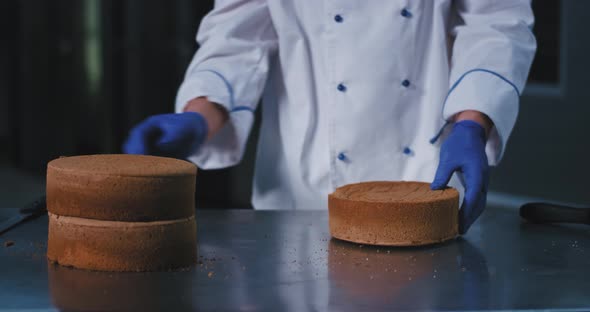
(393, 213)
(121, 187)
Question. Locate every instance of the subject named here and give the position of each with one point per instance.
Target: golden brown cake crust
(121, 187)
(124, 165)
(121, 246)
(393, 213)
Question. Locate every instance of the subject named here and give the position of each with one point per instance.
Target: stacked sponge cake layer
(121, 246)
(121, 212)
(393, 213)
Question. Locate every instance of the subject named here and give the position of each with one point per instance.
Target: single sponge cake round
(393, 213)
(122, 246)
(121, 187)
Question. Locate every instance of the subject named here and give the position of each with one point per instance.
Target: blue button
(406, 83)
(338, 18)
(407, 150)
(341, 156)
(341, 88)
(406, 13)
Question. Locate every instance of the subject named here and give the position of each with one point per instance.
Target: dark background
(76, 75)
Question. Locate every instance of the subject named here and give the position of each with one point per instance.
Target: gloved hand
(464, 151)
(171, 135)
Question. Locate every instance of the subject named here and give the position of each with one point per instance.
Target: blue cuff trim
(437, 136)
(479, 70)
(242, 108)
(229, 87)
(485, 71)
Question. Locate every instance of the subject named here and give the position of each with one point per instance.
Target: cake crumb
(210, 274)
(8, 243)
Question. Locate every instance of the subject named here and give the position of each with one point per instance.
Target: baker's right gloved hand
(170, 135)
(465, 151)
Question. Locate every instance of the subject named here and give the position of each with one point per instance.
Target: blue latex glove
(464, 151)
(170, 135)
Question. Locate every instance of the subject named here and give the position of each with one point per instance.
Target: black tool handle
(36, 208)
(550, 213)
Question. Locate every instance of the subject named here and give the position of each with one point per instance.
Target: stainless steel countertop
(286, 261)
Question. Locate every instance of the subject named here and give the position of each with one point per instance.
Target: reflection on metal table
(286, 261)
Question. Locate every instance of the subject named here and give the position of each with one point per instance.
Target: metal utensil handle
(36, 208)
(550, 213)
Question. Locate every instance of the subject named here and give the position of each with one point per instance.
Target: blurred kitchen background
(76, 75)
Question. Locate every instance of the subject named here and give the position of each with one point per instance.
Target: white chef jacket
(354, 90)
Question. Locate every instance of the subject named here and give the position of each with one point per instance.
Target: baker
(351, 91)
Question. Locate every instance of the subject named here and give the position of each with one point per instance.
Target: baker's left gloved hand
(464, 151)
(170, 135)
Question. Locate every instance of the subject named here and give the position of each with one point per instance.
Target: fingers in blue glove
(141, 136)
(182, 136)
(464, 151)
(171, 135)
(443, 175)
(476, 179)
(178, 142)
(468, 216)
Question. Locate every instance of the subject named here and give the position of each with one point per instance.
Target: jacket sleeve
(491, 56)
(237, 40)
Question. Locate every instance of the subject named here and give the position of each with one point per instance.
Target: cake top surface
(389, 191)
(124, 165)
